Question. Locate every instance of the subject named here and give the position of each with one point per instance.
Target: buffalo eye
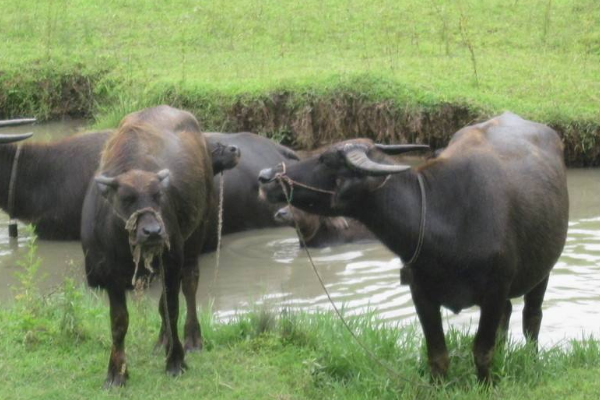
(128, 199)
(332, 160)
(157, 196)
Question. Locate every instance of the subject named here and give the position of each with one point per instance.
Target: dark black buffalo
(320, 231)
(242, 208)
(483, 222)
(150, 201)
(50, 182)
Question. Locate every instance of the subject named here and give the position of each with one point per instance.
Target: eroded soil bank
(301, 117)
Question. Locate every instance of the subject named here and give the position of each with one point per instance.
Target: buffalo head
(224, 157)
(325, 183)
(15, 137)
(138, 193)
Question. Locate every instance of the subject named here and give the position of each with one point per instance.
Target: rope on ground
(389, 369)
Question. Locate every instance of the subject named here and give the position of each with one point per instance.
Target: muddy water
(267, 266)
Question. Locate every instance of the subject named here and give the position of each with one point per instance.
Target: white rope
(219, 228)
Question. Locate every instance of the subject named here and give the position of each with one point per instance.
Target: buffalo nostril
(151, 230)
(266, 175)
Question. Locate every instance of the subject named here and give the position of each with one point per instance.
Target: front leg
(493, 308)
(170, 313)
(532, 311)
(430, 317)
(119, 320)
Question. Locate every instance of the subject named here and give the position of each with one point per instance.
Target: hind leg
(532, 312)
(192, 331)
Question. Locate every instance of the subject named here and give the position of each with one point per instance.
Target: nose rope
(137, 251)
(282, 177)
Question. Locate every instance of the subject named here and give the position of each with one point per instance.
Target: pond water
(267, 267)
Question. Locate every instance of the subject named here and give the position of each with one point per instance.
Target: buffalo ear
(163, 177)
(106, 185)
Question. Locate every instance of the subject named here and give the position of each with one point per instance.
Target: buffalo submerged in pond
(483, 222)
(321, 231)
(149, 205)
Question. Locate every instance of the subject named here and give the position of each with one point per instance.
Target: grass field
(304, 71)
(57, 348)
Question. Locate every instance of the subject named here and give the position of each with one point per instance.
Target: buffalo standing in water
(155, 180)
(483, 222)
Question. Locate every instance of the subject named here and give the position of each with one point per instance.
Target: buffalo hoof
(193, 343)
(176, 367)
(161, 343)
(114, 379)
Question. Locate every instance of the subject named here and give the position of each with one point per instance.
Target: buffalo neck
(393, 213)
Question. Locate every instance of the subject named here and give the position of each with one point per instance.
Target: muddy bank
(302, 118)
(314, 121)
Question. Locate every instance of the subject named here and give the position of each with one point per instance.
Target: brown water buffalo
(150, 202)
(483, 222)
(320, 231)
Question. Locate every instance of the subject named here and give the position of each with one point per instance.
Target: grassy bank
(312, 71)
(56, 347)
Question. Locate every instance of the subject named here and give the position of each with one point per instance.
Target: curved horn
(15, 122)
(393, 149)
(359, 160)
(15, 138)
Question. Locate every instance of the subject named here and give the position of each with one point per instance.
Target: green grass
(56, 347)
(539, 58)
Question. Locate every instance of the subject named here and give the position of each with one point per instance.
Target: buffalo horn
(105, 180)
(15, 138)
(15, 122)
(393, 149)
(359, 160)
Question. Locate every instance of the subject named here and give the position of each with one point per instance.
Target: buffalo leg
(174, 349)
(192, 331)
(119, 321)
(492, 310)
(505, 320)
(532, 311)
(430, 318)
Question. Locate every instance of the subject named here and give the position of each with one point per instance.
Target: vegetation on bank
(312, 71)
(56, 347)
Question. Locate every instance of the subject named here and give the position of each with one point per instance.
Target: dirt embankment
(304, 121)
(316, 121)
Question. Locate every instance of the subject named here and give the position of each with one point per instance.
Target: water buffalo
(320, 231)
(50, 182)
(483, 222)
(242, 208)
(149, 204)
